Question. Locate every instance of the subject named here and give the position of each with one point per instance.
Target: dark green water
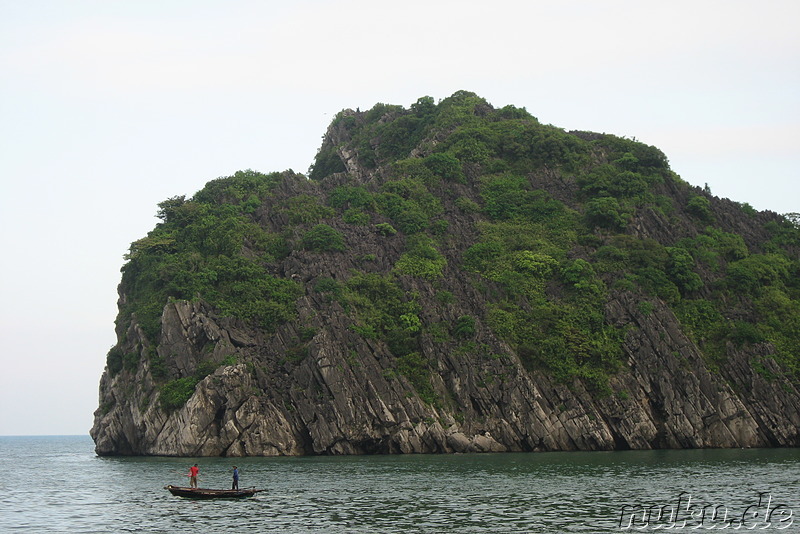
(57, 484)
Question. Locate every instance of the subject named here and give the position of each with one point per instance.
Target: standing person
(193, 472)
(235, 484)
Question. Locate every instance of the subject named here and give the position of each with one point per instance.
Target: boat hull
(205, 493)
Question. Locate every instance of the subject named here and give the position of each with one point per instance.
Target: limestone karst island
(454, 277)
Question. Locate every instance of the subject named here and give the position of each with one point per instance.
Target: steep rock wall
(344, 396)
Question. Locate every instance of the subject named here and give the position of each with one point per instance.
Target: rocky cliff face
(317, 385)
(344, 397)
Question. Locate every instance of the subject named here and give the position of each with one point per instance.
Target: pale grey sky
(107, 108)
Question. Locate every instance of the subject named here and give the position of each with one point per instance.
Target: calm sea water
(57, 484)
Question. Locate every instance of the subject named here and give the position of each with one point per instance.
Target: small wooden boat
(204, 493)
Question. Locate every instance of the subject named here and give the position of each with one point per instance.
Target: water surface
(58, 484)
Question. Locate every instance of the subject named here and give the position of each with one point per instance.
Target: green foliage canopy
(210, 247)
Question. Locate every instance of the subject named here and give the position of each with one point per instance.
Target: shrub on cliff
(323, 238)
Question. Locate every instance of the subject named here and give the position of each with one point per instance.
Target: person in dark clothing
(235, 484)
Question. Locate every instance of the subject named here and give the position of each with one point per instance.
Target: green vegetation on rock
(551, 228)
(210, 247)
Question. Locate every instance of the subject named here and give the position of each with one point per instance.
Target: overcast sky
(107, 108)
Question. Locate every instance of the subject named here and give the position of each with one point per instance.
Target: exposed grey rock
(344, 398)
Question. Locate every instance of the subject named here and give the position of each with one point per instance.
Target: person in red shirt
(193, 472)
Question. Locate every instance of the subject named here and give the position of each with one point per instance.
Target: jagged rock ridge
(443, 371)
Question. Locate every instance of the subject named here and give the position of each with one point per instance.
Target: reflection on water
(57, 484)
